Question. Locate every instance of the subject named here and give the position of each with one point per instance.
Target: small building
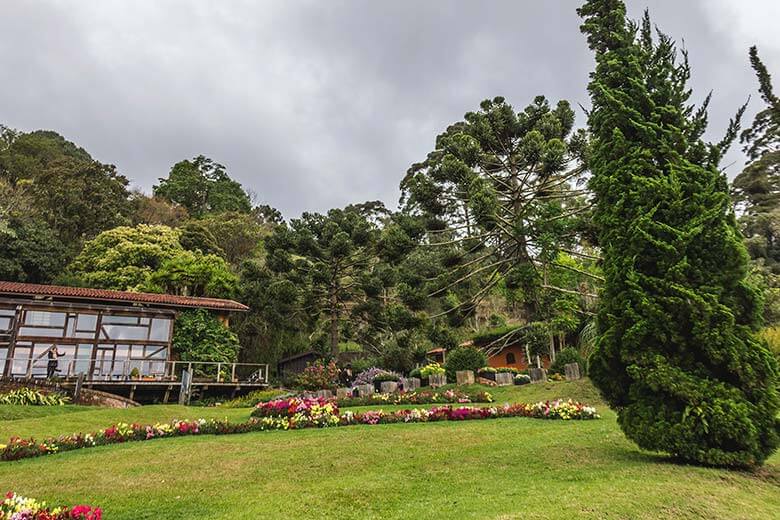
(293, 365)
(108, 336)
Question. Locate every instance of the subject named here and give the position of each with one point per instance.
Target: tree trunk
(334, 324)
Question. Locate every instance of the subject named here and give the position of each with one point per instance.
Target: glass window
(510, 358)
(126, 332)
(46, 318)
(86, 323)
(5, 323)
(161, 328)
(40, 331)
(120, 320)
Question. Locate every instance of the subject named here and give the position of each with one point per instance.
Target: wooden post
(233, 373)
(77, 391)
(184, 389)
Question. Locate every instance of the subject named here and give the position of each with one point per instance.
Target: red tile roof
(83, 293)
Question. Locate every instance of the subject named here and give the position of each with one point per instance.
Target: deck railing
(146, 370)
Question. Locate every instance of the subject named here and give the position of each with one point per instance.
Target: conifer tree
(677, 356)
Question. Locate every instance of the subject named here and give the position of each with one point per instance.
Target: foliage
(676, 353)
(386, 376)
(319, 376)
(488, 336)
(498, 200)
(367, 376)
(199, 336)
(564, 357)
(30, 252)
(325, 257)
(238, 235)
(123, 258)
(522, 379)
(151, 259)
(431, 369)
(202, 187)
(31, 397)
(193, 274)
(772, 337)
(196, 236)
(17, 507)
(156, 211)
(464, 358)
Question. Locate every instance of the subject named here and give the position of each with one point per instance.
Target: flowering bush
(487, 370)
(367, 377)
(522, 379)
(310, 411)
(386, 376)
(422, 397)
(507, 370)
(319, 376)
(315, 414)
(431, 369)
(16, 507)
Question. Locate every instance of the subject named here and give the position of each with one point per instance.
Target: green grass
(506, 468)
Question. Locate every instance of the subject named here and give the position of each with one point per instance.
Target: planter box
(437, 380)
(538, 375)
(504, 378)
(488, 375)
(572, 371)
(365, 390)
(410, 384)
(464, 377)
(342, 393)
(388, 387)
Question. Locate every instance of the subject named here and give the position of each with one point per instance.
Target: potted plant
(384, 376)
(522, 379)
(487, 373)
(134, 373)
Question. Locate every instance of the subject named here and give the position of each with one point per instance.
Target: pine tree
(677, 356)
(756, 190)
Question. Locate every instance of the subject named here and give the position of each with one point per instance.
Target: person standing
(54, 361)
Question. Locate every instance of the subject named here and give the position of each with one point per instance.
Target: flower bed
(314, 414)
(16, 507)
(314, 411)
(418, 397)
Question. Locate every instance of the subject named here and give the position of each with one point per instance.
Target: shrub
(487, 370)
(319, 376)
(507, 370)
(564, 357)
(30, 397)
(522, 379)
(464, 358)
(199, 336)
(367, 376)
(431, 369)
(416, 373)
(386, 376)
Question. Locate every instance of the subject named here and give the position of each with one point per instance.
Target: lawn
(504, 468)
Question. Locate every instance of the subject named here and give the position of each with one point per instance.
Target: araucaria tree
(500, 201)
(677, 356)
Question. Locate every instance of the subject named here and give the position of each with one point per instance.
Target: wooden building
(104, 335)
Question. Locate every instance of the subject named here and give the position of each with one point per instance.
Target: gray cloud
(315, 104)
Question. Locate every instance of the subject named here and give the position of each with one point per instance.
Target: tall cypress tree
(677, 356)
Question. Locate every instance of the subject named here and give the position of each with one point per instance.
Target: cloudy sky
(317, 104)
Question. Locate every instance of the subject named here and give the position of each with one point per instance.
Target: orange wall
(499, 360)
